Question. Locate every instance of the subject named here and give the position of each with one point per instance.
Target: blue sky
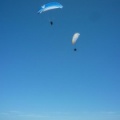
(41, 77)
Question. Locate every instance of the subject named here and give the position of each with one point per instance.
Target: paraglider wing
(50, 6)
(75, 37)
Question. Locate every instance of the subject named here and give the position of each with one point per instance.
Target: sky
(43, 78)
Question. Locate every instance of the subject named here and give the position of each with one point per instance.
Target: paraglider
(74, 39)
(50, 6)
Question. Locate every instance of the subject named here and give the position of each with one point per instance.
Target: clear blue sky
(42, 78)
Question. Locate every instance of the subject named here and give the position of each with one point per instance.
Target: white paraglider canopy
(75, 37)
